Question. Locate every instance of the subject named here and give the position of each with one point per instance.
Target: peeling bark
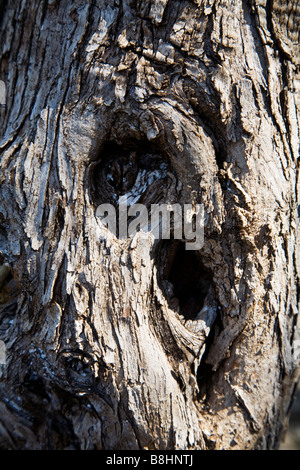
(135, 343)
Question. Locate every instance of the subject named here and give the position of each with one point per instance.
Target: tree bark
(105, 346)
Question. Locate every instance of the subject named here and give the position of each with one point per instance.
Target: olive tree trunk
(135, 342)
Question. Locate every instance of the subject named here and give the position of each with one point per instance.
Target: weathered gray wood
(97, 354)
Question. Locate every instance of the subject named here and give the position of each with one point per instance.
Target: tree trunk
(136, 342)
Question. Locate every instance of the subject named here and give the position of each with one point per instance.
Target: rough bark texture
(199, 100)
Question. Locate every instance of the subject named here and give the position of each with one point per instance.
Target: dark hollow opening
(190, 281)
(117, 168)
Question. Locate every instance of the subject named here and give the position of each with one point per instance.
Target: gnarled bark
(105, 345)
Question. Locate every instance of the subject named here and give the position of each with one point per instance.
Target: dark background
(292, 438)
